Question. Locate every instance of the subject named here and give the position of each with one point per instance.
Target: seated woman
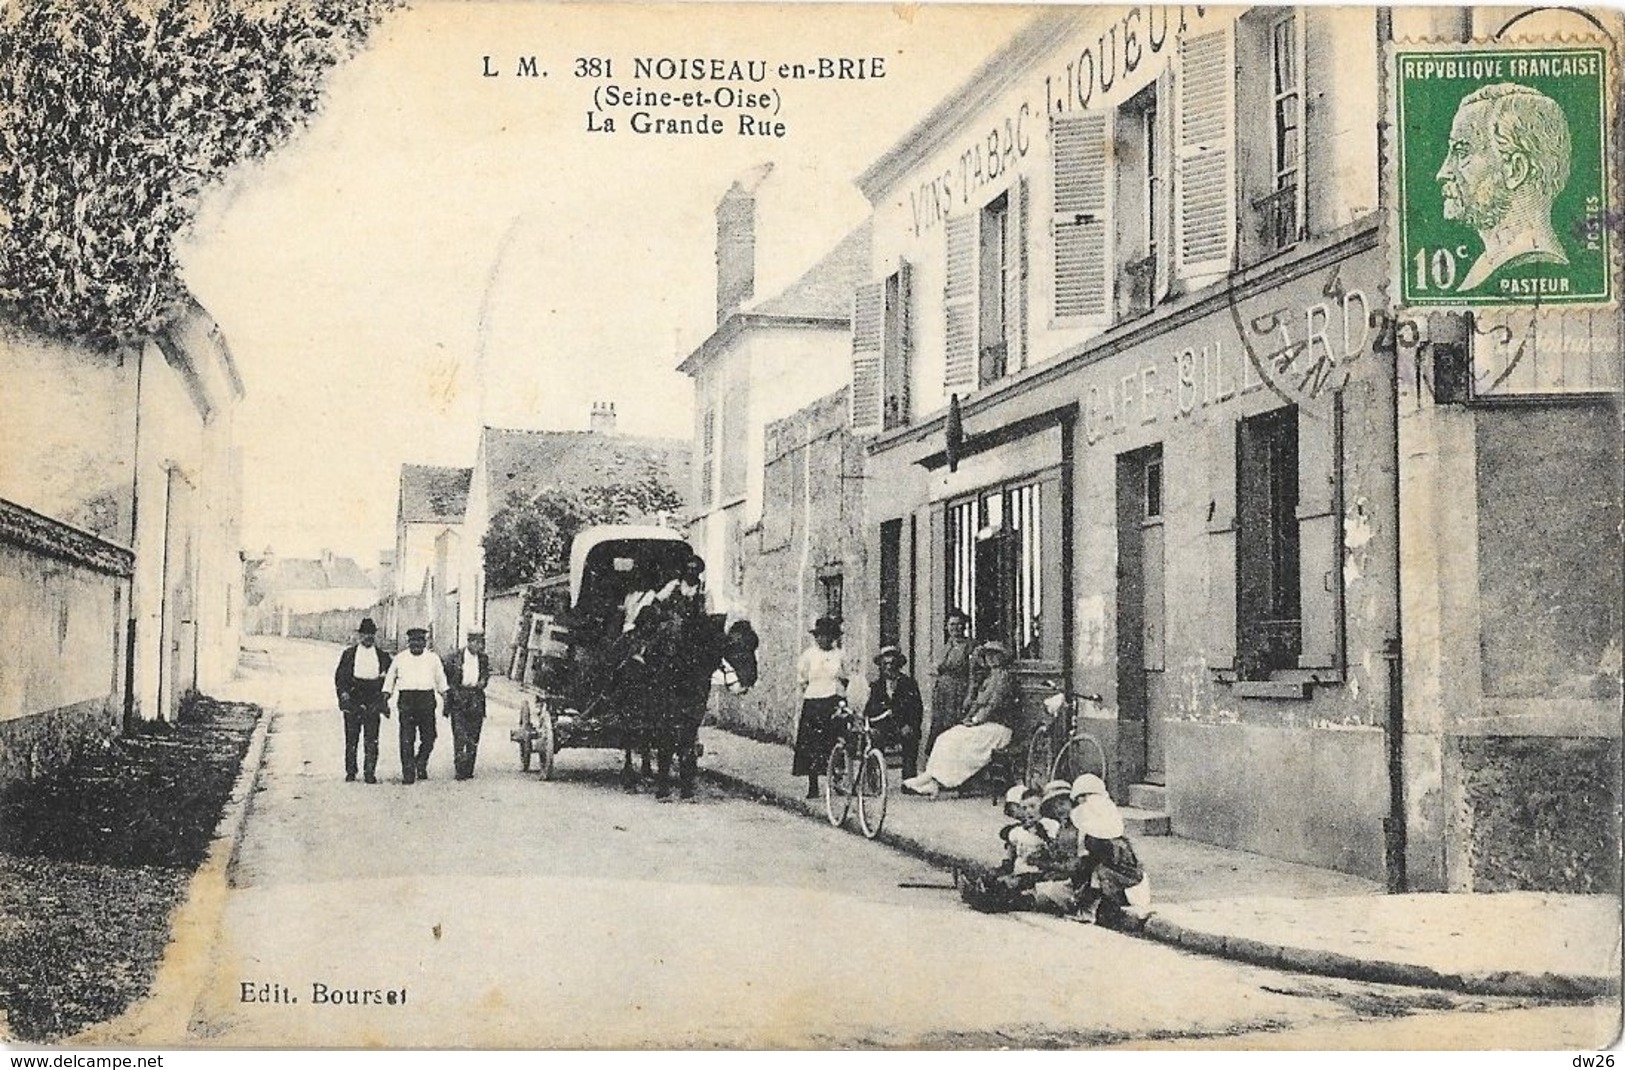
(964, 749)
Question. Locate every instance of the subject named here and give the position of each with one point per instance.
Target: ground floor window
(1269, 615)
(1002, 559)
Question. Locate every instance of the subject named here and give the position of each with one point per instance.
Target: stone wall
(62, 677)
(811, 531)
(1540, 813)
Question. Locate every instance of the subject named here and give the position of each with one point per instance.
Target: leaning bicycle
(855, 773)
(1058, 748)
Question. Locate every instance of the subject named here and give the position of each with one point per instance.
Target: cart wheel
(546, 741)
(526, 720)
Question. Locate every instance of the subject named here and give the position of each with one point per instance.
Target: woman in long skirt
(823, 678)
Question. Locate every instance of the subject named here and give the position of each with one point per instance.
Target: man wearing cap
(415, 683)
(467, 671)
(359, 682)
(895, 707)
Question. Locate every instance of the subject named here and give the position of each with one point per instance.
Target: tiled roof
(825, 290)
(534, 461)
(430, 492)
(310, 574)
(344, 572)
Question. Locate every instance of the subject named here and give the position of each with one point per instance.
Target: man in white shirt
(415, 683)
(359, 683)
(467, 670)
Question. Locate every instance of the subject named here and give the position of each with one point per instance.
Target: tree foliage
(529, 537)
(116, 116)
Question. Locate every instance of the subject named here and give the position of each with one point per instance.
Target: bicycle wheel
(837, 801)
(1040, 757)
(1068, 765)
(872, 792)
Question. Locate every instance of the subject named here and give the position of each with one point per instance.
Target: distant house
(119, 533)
(764, 361)
(532, 463)
(293, 588)
(432, 501)
(777, 484)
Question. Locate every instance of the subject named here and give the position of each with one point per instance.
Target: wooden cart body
(563, 659)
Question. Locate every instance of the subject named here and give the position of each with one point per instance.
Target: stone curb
(1567, 987)
(161, 1018)
(811, 808)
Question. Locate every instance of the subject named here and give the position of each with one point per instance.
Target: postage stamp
(1503, 184)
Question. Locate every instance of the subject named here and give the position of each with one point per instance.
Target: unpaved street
(516, 913)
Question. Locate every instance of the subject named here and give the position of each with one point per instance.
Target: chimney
(736, 242)
(603, 418)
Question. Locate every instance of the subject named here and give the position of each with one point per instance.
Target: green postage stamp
(1503, 175)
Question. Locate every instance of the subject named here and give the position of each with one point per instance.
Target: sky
(440, 249)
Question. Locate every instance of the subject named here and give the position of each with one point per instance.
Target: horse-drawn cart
(593, 678)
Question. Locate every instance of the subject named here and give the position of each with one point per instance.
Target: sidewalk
(1272, 913)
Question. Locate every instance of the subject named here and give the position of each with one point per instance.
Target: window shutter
(1023, 236)
(1162, 224)
(1221, 544)
(896, 369)
(1078, 147)
(867, 322)
(959, 303)
(1320, 531)
(1204, 186)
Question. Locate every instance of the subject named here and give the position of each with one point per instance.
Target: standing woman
(952, 683)
(823, 678)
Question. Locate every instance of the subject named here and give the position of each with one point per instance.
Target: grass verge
(94, 857)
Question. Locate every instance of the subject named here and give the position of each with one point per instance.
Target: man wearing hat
(467, 671)
(895, 706)
(415, 683)
(821, 672)
(359, 682)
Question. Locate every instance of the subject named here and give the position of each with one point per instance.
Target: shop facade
(1117, 364)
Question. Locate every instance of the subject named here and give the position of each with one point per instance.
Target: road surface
(505, 912)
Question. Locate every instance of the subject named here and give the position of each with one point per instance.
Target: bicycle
(863, 779)
(1044, 761)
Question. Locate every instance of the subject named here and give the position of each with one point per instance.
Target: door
(891, 582)
(1141, 611)
(177, 667)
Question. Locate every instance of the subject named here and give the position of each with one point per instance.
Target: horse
(666, 688)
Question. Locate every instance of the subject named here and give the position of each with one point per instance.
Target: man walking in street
(467, 670)
(415, 683)
(359, 681)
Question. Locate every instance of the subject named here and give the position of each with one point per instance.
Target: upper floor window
(882, 346)
(1269, 174)
(994, 350)
(985, 292)
(1142, 202)
(708, 453)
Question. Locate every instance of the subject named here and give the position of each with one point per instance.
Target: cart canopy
(609, 562)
